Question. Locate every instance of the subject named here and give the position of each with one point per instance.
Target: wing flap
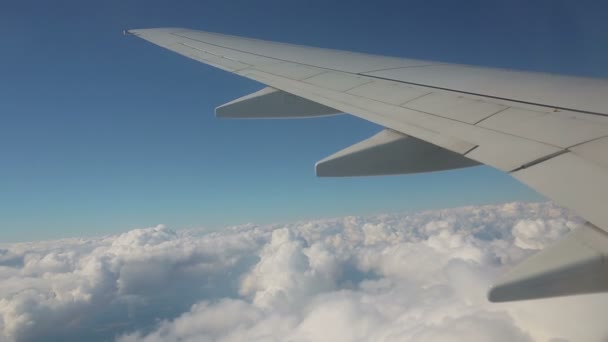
(389, 153)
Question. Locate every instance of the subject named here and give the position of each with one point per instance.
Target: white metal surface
(214, 60)
(337, 81)
(594, 151)
(553, 128)
(571, 181)
(387, 92)
(577, 93)
(455, 107)
(291, 70)
(324, 58)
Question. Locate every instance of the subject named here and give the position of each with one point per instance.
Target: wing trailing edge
(270, 103)
(389, 153)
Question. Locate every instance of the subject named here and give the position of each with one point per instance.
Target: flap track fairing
(388, 153)
(270, 103)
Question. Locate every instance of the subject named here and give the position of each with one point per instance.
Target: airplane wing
(549, 132)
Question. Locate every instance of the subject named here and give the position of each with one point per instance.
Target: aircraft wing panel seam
(487, 96)
(414, 99)
(412, 129)
(393, 80)
(214, 54)
(346, 92)
(402, 67)
(471, 150)
(255, 54)
(359, 85)
(588, 141)
(540, 160)
(443, 139)
(487, 117)
(323, 72)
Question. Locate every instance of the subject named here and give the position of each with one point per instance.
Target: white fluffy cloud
(418, 277)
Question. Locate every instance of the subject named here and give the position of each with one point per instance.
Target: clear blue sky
(100, 133)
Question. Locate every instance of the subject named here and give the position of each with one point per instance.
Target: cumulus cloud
(416, 277)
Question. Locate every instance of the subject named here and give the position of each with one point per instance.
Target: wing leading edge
(550, 132)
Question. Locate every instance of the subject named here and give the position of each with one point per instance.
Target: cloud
(537, 234)
(418, 277)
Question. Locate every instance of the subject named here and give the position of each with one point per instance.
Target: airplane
(550, 132)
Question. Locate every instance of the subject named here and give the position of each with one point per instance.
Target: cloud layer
(418, 277)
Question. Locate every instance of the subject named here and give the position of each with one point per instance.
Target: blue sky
(100, 133)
